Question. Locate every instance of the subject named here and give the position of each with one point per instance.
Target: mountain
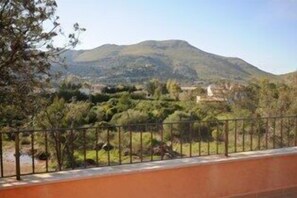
(169, 59)
(289, 78)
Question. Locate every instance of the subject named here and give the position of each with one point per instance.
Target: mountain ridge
(165, 59)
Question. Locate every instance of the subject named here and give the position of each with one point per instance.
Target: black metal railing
(25, 152)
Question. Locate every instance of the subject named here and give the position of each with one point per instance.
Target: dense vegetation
(127, 106)
(156, 102)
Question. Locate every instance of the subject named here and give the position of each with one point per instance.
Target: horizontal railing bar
(231, 136)
(150, 124)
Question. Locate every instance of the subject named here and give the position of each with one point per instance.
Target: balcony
(222, 158)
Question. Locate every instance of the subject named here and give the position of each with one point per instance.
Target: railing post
(59, 146)
(17, 155)
(120, 146)
(226, 138)
(295, 131)
(1, 155)
(46, 150)
(72, 148)
(85, 147)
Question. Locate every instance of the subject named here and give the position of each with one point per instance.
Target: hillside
(289, 78)
(170, 59)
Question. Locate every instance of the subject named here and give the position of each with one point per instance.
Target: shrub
(182, 125)
(130, 117)
(98, 98)
(177, 125)
(25, 141)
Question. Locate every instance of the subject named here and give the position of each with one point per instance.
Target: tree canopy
(28, 29)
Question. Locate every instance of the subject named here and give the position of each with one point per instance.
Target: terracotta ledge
(39, 179)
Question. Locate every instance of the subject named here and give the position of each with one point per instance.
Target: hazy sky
(262, 32)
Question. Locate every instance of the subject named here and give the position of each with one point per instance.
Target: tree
(130, 118)
(245, 100)
(268, 97)
(124, 102)
(26, 47)
(180, 127)
(293, 107)
(57, 117)
(173, 88)
(156, 88)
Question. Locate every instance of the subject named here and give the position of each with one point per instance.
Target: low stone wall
(271, 173)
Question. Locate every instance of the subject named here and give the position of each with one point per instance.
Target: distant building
(188, 88)
(85, 91)
(200, 99)
(218, 90)
(216, 93)
(96, 88)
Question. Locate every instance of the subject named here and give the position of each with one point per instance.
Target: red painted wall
(209, 180)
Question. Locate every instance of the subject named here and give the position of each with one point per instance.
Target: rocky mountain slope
(169, 59)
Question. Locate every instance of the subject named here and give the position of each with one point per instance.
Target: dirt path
(25, 161)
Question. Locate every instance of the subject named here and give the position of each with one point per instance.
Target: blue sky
(262, 32)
